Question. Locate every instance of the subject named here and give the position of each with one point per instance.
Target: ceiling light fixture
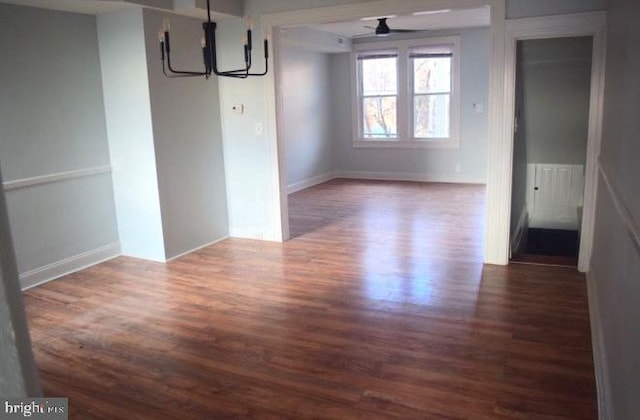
(384, 30)
(209, 53)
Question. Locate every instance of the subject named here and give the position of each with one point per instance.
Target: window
(379, 100)
(431, 89)
(407, 93)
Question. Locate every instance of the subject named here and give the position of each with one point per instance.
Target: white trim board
(380, 176)
(57, 177)
(501, 143)
(406, 176)
(603, 385)
(69, 265)
(248, 232)
(310, 182)
(198, 248)
(625, 215)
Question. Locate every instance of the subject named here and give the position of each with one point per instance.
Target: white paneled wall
(555, 194)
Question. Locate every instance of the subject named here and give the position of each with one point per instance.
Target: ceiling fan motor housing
(383, 28)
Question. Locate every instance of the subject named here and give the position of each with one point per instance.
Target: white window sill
(406, 144)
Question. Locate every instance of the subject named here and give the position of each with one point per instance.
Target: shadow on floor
(549, 246)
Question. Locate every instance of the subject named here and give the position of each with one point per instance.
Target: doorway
(592, 25)
(552, 97)
(342, 13)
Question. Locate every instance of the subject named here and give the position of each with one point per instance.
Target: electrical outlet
(238, 108)
(259, 129)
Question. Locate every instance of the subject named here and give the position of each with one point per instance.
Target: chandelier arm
(266, 69)
(165, 46)
(266, 61)
(184, 73)
(210, 35)
(174, 76)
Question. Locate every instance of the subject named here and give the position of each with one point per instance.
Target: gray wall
(164, 136)
(519, 172)
(526, 8)
(439, 164)
(18, 375)
(615, 267)
(247, 156)
(557, 78)
(305, 87)
(52, 121)
(130, 132)
(188, 140)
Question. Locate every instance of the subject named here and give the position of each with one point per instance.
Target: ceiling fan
(384, 30)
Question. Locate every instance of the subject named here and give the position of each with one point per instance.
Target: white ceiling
(96, 7)
(90, 7)
(445, 19)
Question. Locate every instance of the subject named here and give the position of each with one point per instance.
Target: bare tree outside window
(431, 95)
(379, 84)
(408, 94)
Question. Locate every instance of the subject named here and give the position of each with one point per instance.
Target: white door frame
(583, 24)
(382, 8)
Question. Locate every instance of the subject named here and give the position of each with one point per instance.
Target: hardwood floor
(379, 308)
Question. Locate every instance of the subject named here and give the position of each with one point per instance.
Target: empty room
(272, 209)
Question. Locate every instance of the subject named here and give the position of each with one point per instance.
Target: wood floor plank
(378, 308)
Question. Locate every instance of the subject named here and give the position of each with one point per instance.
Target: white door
(555, 195)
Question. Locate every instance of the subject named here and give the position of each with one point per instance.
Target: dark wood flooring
(379, 308)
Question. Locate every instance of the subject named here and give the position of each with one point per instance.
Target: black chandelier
(209, 54)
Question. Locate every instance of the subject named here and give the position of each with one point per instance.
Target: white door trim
(583, 24)
(381, 8)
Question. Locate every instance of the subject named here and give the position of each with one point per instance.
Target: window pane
(431, 116)
(379, 76)
(379, 117)
(432, 75)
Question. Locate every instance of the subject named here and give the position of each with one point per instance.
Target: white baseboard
(599, 354)
(407, 176)
(246, 233)
(69, 265)
(380, 176)
(197, 248)
(308, 183)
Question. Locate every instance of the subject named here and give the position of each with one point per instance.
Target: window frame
(361, 96)
(405, 97)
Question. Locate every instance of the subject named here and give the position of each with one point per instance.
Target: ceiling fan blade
(367, 35)
(403, 31)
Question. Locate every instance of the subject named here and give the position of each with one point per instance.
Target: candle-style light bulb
(166, 25)
(203, 43)
(160, 36)
(249, 23)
